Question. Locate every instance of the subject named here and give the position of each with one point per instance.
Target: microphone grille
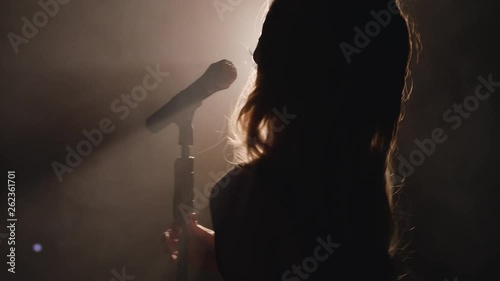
(223, 73)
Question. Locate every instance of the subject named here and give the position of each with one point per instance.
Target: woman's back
(263, 233)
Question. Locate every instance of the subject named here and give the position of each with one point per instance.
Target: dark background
(109, 213)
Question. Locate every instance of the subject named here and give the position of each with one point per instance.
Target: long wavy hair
(310, 99)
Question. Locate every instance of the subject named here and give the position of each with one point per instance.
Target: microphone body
(219, 76)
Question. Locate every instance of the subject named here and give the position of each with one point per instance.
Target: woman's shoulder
(233, 181)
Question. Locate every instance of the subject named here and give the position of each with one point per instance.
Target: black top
(262, 233)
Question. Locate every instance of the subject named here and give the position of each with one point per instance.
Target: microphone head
(220, 75)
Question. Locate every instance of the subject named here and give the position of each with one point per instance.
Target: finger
(173, 257)
(165, 235)
(170, 243)
(171, 247)
(171, 251)
(174, 233)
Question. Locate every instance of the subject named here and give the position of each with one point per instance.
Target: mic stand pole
(183, 187)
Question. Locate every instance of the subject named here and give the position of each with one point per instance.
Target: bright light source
(37, 248)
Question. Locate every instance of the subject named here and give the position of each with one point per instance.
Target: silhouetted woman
(311, 196)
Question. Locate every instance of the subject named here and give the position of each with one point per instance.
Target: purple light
(37, 248)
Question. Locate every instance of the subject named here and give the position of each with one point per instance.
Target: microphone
(219, 76)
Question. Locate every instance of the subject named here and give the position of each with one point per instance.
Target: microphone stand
(218, 76)
(184, 186)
